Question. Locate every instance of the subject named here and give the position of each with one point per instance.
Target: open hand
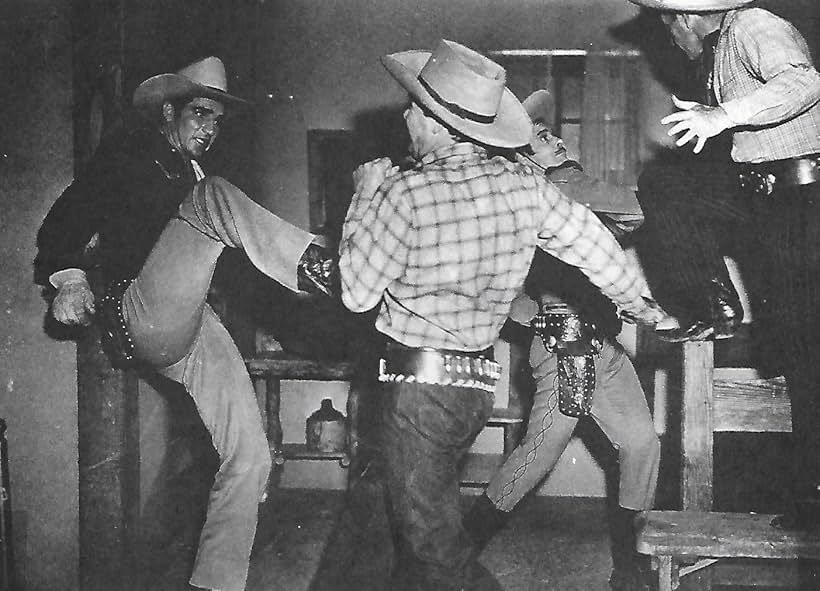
(696, 121)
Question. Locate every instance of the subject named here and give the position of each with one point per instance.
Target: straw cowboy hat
(465, 90)
(205, 78)
(692, 5)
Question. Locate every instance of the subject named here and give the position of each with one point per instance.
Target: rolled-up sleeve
(573, 234)
(774, 52)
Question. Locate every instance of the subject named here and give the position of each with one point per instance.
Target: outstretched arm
(573, 234)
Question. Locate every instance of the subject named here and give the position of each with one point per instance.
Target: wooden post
(6, 554)
(697, 426)
(108, 420)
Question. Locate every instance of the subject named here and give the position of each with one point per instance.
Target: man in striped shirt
(442, 250)
(768, 94)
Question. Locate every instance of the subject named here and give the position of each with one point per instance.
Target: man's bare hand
(696, 121)
(73, 304)
(368, 177)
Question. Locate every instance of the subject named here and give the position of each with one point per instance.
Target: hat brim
(511, 127)
(692, 5)
(152, 93)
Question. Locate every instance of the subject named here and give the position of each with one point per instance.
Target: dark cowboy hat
(692, 5)
(465, 90)
(205, 78)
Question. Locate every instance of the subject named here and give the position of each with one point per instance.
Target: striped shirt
(446, 247)
(766, 83)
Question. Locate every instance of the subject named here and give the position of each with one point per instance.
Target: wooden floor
(313, 540)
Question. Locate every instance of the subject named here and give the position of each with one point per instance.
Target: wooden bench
(714, 400)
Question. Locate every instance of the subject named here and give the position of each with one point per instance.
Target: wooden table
(268, 371)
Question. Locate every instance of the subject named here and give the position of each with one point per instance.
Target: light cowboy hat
(465, 90)
(692, 5)
(540, 106)
(205, 78)
(619, 204)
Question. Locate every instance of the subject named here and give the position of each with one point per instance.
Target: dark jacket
(619, 210)
(130, 189)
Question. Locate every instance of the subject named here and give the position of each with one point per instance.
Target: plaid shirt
(764, 79)
(445, 248)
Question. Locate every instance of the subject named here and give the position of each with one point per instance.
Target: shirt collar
(459, 151)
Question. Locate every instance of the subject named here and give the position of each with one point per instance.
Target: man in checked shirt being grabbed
(443, 249)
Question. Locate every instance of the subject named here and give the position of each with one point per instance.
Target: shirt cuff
(740, 111)
(65, 276)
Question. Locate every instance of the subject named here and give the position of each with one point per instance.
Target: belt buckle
(756, 182)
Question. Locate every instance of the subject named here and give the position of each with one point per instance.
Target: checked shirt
(764, 78)
(445, 248)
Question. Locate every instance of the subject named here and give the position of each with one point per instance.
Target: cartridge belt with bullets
(763, 178)
(444, 367)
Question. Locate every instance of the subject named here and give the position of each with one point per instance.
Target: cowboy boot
(723, 319)
(627, 574)
(482, 522)
(727, 313)
(318, 272)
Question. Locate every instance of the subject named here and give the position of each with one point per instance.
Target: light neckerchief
(198, 172)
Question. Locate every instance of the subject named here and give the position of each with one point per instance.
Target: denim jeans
(427, 430)
(178, 334)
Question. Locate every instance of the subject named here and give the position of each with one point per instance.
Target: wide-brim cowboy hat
(204, 78)
(465, 90)
(692, 5)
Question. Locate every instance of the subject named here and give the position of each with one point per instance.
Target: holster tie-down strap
(575, 344)
(437, 366)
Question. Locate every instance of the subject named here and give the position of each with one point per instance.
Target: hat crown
(207, 72)
(540, 106)
(460, 77)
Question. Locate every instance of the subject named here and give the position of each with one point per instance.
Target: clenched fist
(74, 303)
(369, 176)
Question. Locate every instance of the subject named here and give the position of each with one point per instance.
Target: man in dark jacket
(160, 225)
(579, 368)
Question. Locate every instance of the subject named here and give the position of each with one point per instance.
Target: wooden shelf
(287, 367)
(300, 451)
(267, 371)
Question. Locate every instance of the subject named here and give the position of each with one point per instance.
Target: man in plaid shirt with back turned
(443, 249)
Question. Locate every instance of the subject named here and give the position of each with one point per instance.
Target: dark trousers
(788, 227)
(694, 215)
(426, 431)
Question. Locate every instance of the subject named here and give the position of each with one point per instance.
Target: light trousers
(179, 335)
(619, 408)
